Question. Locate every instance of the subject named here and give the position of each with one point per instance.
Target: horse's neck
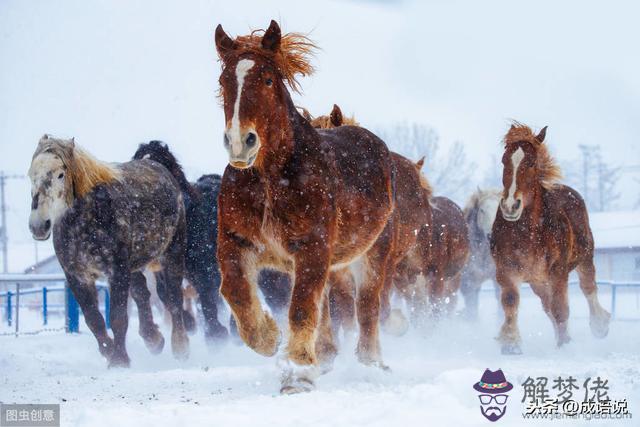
(290, 139)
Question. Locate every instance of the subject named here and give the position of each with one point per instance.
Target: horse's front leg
(238, 266)
(560, 304)
(311, 273)
(510, 298)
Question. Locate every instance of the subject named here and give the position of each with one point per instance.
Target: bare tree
(449, 173)
(595, 179)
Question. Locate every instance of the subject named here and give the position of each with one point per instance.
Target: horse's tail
(159, 152)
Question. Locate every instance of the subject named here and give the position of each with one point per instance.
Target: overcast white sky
(117, 73)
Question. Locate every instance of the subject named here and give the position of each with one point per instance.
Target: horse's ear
(224, 43)
(272, 37)
(420, 163)
(540, 136)
(306, 114)
(72, 141)
(336, 116)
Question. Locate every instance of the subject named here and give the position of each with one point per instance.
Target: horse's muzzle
(513, 212)
(40, 230)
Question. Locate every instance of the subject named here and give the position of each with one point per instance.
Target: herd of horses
(336, 231)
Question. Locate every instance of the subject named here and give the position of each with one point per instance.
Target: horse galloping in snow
(479, 213)
(327, 199)
(112, 220)
(540, 234)
(201, 212)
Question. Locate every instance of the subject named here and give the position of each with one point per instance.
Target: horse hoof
(189, 322)
(106, 349)
(600, 326)
(511, 349)
(268, 339)
(396, 324)
(119, 361)
(216, 335)
(297, 385)
(155, 343)
(180, 346)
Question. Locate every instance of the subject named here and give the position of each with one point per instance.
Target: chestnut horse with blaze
(326, 202)
(540, 234)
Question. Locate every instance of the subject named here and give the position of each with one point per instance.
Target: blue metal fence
(71, 307)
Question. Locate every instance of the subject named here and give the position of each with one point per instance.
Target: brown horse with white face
(540, 234)
(326, 200)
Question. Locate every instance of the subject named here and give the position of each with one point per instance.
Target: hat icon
(493, 382)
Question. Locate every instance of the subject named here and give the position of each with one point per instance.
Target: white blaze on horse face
(234, 134)
(516, 159)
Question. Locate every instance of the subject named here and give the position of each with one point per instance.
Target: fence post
(107, 308)
(44, 306)
(613, 300)
(17, 308)
(9, 308)
(72, 318)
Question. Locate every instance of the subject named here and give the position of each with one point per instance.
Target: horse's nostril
(251, 139)
(518, 202)
(226, 141)
(47, 224)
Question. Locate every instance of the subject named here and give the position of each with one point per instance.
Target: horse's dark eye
(268, 82)
(61, 175)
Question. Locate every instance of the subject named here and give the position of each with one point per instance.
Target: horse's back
(450, 232)
(362, 160)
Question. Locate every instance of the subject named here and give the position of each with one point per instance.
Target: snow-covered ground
(430, 383)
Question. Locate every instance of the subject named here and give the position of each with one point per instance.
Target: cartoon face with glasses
(493, 388)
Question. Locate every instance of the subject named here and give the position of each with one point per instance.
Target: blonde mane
(333, 120)
(292, 58)
(424, 182)
(549, 173)
(84, 170)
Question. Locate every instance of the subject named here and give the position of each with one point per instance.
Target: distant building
(617, 243)
(49, 265)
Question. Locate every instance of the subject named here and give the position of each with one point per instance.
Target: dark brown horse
(326, 202)
(443, 247)
(540, 234)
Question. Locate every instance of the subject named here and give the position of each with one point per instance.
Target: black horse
(201, 207)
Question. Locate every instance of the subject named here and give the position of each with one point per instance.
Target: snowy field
(430, 383)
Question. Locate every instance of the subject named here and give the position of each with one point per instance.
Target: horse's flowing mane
(549, 173)
(292, 58)
(84, 170)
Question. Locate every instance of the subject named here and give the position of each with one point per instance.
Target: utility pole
(3, 230)
(4, 237)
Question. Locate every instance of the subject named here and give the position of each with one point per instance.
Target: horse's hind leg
(87, 298)
(452, 286)
(470, 288)
(598, 317)
(326, 349)
(560, 305)
(342, 301)
(368, 300)
(119, 283)
(169, 282)
(208, 288)
(148, 329)
(510, 298)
